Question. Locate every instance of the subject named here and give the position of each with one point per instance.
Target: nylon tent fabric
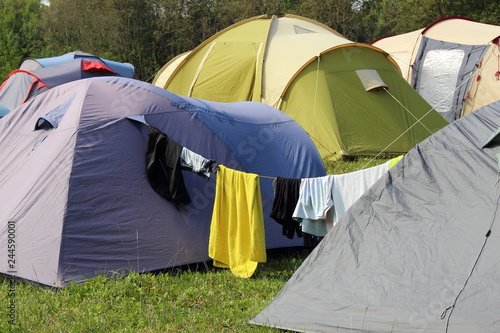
(388, 120)
(401, 48)
(23, 85)
(287, 62)
(453, 63)
(418, 252)
(123, 69)
(3, 110)
(78, 193)
(16, 88)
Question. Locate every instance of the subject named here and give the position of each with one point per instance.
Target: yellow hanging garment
(237, 239)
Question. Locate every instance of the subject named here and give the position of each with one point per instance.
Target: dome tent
(122, 69)
(418, 252)
(78, 193)
(23, 85)
(349, 97)
(452, 63)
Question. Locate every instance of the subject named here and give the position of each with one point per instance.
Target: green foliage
(19, 33)
(339, 15)
(485, 11)
(119, 30)
(148, 33)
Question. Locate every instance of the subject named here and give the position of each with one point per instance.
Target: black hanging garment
(286, 195)
(163, 168)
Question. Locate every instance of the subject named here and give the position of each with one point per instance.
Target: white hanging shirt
(349, 187)
(315, 200)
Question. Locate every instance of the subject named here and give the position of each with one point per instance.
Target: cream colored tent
(402, 49)
(453, 63)
(350, 98)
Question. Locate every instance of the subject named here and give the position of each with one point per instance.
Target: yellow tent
(349, 97)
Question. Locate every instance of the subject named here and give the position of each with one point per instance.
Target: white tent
(452, 63)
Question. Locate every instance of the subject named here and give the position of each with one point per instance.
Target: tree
(484, 11)
(19, 33)
(340, 15)
(148, 33)
(119, 30)
(183, 25)
(393, 17)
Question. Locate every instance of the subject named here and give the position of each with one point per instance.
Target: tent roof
(71, 70)
(462, 30)
(417, 252)
(124, 69)
(297, 39)
(23, 84)
(459, 30)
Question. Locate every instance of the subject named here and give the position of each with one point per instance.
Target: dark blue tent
(79, 194)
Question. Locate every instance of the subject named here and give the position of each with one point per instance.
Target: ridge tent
(78, 195)
(418, 252)
(123, 69)
(349, 97)
(452, 63)
(23, 85)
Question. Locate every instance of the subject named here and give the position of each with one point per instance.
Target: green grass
(189, 299)
(196, 298)
(355, 164)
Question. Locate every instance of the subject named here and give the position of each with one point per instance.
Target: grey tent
(73, 187)
(418, 252)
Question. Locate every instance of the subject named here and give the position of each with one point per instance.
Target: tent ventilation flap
(371, 80)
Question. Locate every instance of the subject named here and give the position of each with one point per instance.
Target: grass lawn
(195, 298)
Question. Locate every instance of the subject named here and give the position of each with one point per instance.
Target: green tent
(349, 97)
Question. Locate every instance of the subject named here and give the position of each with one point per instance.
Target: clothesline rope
(396, 139)
(266, 177)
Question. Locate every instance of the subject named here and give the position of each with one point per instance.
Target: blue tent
(23, 85)
(79, 194)
(123, 69)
